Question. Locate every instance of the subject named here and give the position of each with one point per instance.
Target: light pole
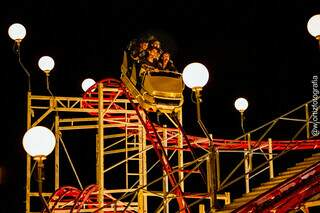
(39, 142)
(313, 27)
(196, 76)
(46, 64)
(17, 32)
(241, 104)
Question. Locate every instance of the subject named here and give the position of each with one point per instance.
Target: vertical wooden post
(210, 181)
(180, 153)
(142, 198)
(250, 152)
(307, 121)
(28, 175)
(247, 170)
(247, 164)
(202, 208)
(126, 146)
(165, 183)
(271, 171)
(100, 146)
(57, 155)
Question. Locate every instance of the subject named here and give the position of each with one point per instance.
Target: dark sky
(260, 50)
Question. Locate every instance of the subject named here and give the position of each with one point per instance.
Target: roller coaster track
(287, 195)
(157, 145)
(73, 200)
(90, 100)
(77, 199)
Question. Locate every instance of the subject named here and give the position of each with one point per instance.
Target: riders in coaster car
(155, 89)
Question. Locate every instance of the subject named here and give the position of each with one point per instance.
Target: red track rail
(90, 101)
(63, 195)
(157, 145)
(71, 199)
(287, 196)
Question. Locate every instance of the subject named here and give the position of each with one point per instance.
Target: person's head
(155, 43)
(165, 56)
(153, 53)
(143, 45)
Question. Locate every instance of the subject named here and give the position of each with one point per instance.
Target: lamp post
(196, 76)
(46, 64)
(313, 27)
(39, 142)
(241, 104)
(17, 32)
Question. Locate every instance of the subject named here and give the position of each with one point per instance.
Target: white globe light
(314, 25)
(241, 104)
(46, 63)
(87, 83)
(17, 32)
(39, 141)
(195, 75)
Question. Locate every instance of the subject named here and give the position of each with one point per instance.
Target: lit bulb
(46, 63)
(195, 75)
(87, 83)
(314, 26)
(39, 141)
(17, 32)
(241, 104)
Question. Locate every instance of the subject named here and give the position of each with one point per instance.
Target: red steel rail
(288, 195)
(90, 100)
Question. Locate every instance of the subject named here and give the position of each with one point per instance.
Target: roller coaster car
(159, 91)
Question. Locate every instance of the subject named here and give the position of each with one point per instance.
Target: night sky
(259, 50)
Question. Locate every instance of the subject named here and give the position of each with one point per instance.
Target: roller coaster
(131, 146)
(124, 129)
